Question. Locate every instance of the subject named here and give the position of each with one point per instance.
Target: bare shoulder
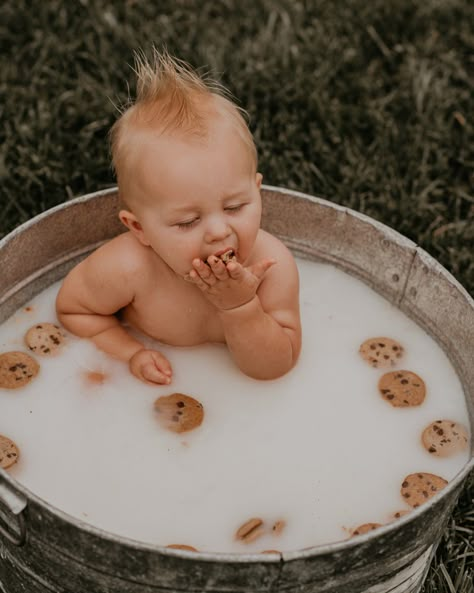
(106, 280)
(123, 255)
(266, 244)
(269, 246)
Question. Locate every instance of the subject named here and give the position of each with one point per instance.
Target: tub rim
(241, 557)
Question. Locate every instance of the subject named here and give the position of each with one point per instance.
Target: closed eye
(188, 224)
(234, 208)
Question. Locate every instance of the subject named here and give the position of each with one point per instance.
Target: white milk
(318, 448)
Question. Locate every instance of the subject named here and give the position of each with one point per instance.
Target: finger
(204, 271)
(218, 267)
(197, 280)
(235, 270)
(162, 363)
(153, 375)
(260, 268)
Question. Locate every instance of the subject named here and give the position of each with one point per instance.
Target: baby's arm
(90, 296)
(261, 326)
(264, 335)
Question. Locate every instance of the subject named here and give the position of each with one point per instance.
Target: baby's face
(194, 198)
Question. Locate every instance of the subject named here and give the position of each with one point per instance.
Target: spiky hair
(170, 97)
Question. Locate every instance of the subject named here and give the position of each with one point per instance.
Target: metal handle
(12, 521)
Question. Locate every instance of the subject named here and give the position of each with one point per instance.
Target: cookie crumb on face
(9, 452)
(228, 256)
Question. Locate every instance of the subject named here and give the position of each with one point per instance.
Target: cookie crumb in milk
(399, 514)
(250, 530)
(182, 547)
(278, 527)
(365, 528)
(94, 378)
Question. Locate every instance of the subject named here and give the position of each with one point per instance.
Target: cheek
(252, 224)
(178, 251)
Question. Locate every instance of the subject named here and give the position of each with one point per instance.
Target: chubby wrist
(133, 352)
(248, 308)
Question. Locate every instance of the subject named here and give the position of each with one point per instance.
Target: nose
(217, 229)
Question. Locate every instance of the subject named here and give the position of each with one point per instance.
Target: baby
(189, 190)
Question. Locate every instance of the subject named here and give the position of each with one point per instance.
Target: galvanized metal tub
(44, 550)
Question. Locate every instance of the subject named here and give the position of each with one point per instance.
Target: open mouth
(225, 255)
(228, 256)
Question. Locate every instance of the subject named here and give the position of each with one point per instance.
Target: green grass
(368, 104)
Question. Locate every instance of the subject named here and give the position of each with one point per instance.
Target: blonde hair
(173, 97)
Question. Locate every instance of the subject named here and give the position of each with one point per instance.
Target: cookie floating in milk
(17, 369)
(443, 438)
(418, 488)
(9, 452)
(381, 352)
(402, 389)
(45, 339)
(178, 412)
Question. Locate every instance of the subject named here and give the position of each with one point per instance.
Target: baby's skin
(188, 202)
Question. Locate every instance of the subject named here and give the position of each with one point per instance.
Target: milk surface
(318, 448)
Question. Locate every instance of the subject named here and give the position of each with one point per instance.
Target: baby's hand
(228, 286)
(150, 367)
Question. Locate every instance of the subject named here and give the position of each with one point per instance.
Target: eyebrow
(191, 207)
(236, 194)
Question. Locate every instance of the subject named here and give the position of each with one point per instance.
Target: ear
(133, 225)
(258, 179)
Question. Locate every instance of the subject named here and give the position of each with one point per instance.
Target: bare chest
(177, 315)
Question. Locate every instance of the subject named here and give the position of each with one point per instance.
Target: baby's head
(172, 99)
(183, 154)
